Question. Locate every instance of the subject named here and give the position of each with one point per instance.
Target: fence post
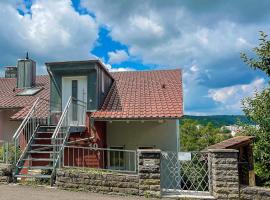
(149, 172)
(225, 177)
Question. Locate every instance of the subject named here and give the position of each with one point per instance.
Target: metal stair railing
(25, 133)
(61, 132)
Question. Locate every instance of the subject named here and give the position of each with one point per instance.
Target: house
(54, 119)
(15, 102)
(234, 129)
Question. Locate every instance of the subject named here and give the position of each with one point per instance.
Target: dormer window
(29, 92)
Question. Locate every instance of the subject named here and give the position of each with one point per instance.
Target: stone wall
(149, 173)
(255, 193)
(98, 181)
(145, 183)
(223, 165)
(5, 173)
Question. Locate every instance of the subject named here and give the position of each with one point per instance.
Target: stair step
(38, 159)
(47, 126)
(45, 132)
(32, 176)
(33, 151)
(43, 145)
(36, 167)
(42, 138)
(47, 138)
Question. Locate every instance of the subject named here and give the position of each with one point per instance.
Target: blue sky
(203, 38)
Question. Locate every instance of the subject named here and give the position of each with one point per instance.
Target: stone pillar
(224, 173)
(5, 173)
(149, 172)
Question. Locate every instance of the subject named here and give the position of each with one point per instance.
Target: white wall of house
(162, 135)
(7, 127)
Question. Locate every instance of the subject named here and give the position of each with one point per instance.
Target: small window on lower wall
(146, 147)
(116, 158)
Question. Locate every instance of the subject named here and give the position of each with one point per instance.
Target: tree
(196, 137)
(262, 55)
(257, 109)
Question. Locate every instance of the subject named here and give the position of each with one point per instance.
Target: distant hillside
(219, 120)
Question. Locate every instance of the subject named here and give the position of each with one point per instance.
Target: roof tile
(10, 99)
(143, 94)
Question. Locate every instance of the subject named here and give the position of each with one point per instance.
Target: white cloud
(144, 24)
(118, 69)
(117, 56)
(230, 97)
(170, 34)
(54, 31)
(173, 35)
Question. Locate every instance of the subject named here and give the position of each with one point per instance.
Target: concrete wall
(255, 193)
(136, 134)
(7, 127)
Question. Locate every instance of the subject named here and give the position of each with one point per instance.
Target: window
(74, 94)
(116, 158)
(102, 82)
(29, 92)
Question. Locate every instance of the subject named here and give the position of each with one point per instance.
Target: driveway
(19, 192)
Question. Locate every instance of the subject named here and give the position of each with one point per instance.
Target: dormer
(88, 81)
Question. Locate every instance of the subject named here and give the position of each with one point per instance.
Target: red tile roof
(144, 95)
(10, 99)
(232, 143)
(133, 95)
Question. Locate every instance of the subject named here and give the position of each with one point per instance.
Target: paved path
(19, 192)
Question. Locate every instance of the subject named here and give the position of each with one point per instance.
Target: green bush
(7, 153)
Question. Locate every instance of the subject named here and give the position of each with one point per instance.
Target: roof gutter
(136, 119)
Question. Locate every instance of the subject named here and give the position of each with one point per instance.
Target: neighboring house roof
(10, 100)
(144, 95)
(233, 143)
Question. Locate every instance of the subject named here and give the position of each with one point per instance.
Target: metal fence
(185, 173)
(100, 158)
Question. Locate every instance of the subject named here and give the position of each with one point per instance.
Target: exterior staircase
(39, 147)
(39, 156)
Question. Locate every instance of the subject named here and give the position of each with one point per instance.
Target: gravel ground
(20, 192)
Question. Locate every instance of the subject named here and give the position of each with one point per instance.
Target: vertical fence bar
(68, 156)
(89, 157)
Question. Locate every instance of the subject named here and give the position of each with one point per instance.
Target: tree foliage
(257, 108)
(261, 60)
(196, 137)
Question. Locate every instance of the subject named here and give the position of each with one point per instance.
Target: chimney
(26, 73)
(10, 72)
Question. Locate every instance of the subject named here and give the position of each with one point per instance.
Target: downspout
(92, 128)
